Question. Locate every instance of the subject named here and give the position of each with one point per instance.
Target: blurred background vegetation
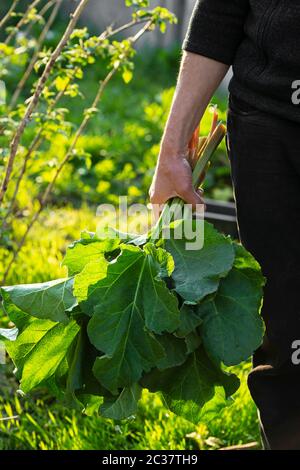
(116, 156)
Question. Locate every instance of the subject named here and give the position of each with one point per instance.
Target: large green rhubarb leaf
(247, 264)
(188, 388)
(40, 350)
(49, 300)
(87, 250)
(176, 351)
(90, 275)
(232, 327)
(129, 304)
(15, 314)
(197, 272)
(80, 383)
(124, 405)
(189, 320)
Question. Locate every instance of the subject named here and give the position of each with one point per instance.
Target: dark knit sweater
(261, 40)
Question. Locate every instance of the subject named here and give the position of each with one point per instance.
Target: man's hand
(173, 177)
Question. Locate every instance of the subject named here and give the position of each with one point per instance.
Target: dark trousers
(264, 152)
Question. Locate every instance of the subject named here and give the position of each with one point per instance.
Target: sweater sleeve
(216, 29)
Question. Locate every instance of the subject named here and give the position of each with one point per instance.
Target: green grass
(40, 258)
(44, 424)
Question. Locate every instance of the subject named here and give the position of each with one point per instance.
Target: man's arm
(198, 79)
(215, 32)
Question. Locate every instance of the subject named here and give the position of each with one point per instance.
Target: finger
(191, 197)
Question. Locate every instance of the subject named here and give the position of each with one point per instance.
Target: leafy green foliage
(132, 328)
(198, 272)
(51, 300)
(39, 351)
(232, 309)
(133, 303)
(124, 405)
(187, 388)
(85, 251)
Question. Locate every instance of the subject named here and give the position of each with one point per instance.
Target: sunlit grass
(41, 423)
